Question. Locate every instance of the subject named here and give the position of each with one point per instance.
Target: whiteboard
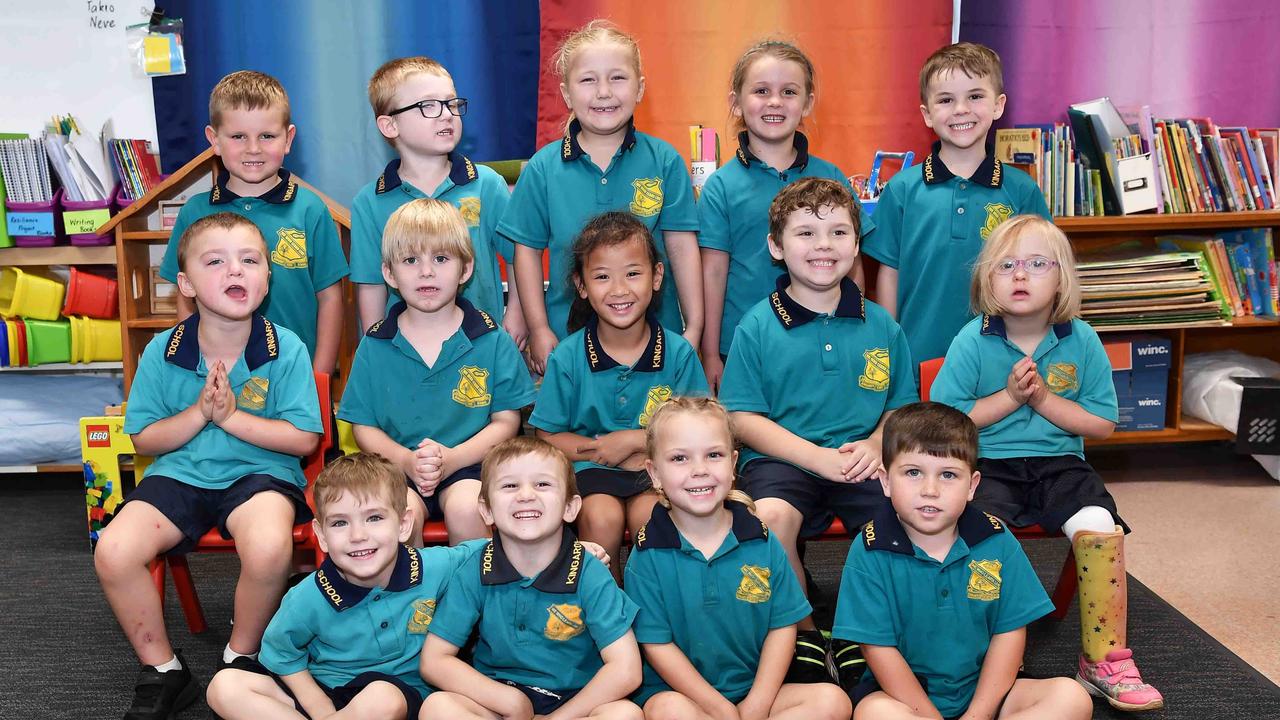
(71, 56)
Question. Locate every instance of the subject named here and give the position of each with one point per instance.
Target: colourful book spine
(1233, 289)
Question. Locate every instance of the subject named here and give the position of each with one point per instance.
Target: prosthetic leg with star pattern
(1106, 662)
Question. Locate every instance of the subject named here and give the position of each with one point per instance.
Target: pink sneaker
(1118, 681)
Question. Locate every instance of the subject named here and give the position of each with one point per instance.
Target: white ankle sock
(229, 655)
(173, 664)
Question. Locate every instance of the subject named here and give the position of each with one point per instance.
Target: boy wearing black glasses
(419, 113)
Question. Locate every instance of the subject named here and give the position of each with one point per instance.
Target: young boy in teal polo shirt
(932, 221)
(939, 594)
(419, 114)
(554, 630)
(226, 404)
(348, 636)
(250, 132)
(436, 384)
(813, 370)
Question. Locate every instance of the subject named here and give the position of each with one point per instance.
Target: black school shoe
(812, 661)
(849, 662)
(158, 695)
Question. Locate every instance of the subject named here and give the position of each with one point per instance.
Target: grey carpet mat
(62, 655)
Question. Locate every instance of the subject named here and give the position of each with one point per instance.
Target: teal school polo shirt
(931, 225)
(552, 201)
(589, 393)
(479, 372)
(826, 378)
(717, 610)
(939, 615)
(546, 631)
(272, 379)
(302, 243)
(338, 630)
(1070, 359)
(733, 216)
(478, 192)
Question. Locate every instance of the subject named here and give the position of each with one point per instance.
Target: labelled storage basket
(91, 295)
(48, 341)
(94, 340)
(81, 220)
(35, 224)
(24, 294)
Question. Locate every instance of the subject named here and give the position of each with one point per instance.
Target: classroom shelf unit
(138, 230)
(1254, 336)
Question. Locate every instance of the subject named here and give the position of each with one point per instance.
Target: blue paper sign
(30, 224)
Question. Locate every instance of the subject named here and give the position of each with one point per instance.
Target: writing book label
(84, 222)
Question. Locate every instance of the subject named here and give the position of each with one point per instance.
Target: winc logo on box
(97, 436)
(1153, 350)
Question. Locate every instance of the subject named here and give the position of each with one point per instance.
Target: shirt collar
(283, 193)
(885, 531)
(651, 360)
(342, 595)
(994, 325)
(461, 172)
(792, 314)
(661, 533)
(571, 150)
(990, 173)
(475, 322)
(560, 577)
(183, 349)
(801, 144)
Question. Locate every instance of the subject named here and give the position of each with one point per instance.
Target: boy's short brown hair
(809, 193)
(423, 226)
(520, 446)
(932, 429)
(976, 61)
(247, 90)
(387, 80)
(364, 475)
(217, 221)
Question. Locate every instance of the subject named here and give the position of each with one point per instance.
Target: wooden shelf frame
(1250, 335)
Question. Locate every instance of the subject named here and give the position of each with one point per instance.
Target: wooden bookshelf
(58, 255)
(1251, 335)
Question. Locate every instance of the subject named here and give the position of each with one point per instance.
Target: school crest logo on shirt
(754, 586)
(996, 214)
(253, 396)
(473, 387)
(875, 376)
(1061, 378)
(657, 395)
(564, 622)
(291, 249)
(423, 611)
(984, 580)
(469, 207)
(647, 201)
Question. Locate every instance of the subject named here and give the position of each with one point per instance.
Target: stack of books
(1242, 268)
(1046, 153)
(135, 166)
(1197, 166)
(1135, 289)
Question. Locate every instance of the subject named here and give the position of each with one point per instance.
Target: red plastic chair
(305, 547)
(1067, 580)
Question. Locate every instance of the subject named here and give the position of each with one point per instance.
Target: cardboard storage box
(1140, 370)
